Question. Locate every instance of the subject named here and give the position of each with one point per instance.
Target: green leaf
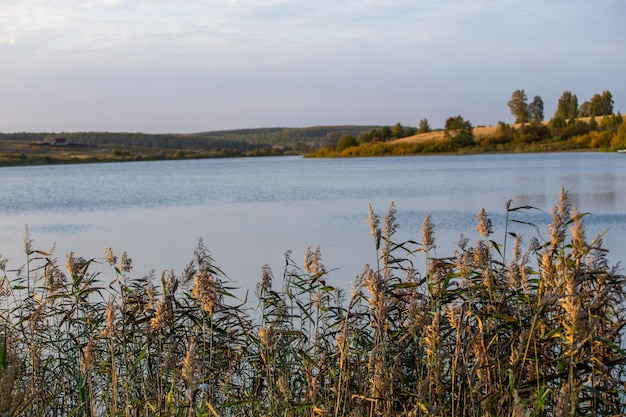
(496, 246)
(544, 393)
(553, 333)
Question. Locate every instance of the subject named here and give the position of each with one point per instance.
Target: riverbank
(588, 134)
(18, 153)
(582, 134)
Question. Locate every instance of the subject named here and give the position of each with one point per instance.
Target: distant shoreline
(33, 149)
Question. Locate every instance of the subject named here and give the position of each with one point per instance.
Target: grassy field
(606, 133)
(21, 153)
(480, 132)
(508, 328)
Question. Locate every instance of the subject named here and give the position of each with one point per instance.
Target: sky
(183, 66)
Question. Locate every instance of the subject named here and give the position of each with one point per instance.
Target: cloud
(246, 61)
(110, 24)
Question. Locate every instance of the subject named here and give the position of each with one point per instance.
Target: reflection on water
(605, 200)
(534, 200)
(250, 211)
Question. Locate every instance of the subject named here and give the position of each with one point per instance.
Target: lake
(250, 211)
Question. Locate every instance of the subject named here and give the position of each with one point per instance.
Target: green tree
(345, 142)
(364, 137)
(409, 131)
(595, 106)
(567, 107)
(423, 127)
(535, 110)
(601, 104)
(385, 133)
(397, 131)
(519, 106)
(607, 102)
(459, 132)
(612, 121)
(584, 110)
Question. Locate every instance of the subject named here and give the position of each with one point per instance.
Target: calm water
(250, 211)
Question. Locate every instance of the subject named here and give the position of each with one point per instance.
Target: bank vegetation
(510, 328)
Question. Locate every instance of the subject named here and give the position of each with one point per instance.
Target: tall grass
(497, 329)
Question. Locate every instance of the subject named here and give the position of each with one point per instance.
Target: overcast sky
(199, 65)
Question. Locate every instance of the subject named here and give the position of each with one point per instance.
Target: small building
(59, 142)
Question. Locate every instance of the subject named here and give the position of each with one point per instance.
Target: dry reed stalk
(560, 216)
(205, 291)
(125, 264)
(189, 371)
(313, 261)
(380, 382)
(484, 226)
(428, 234)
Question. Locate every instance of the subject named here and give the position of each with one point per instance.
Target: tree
(504, 133)
(364, 137)
(595, 106)
(585, 109)
(611, 121)
(345, 142)
(607, 102)
(397, 131)
(601, 105)
(535, 110)
(567, 108)
(409, 131)
(423, 127)
(518, 106)
(459, 132)
(380, 135)
(619, 139)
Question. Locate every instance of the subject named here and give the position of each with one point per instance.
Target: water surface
(250, 211)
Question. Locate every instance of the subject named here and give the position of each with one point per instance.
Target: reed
(511, 328)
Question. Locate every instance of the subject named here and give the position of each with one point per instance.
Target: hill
(480, 132)
(34, 147)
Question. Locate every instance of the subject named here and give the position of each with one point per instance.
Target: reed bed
(495, 329)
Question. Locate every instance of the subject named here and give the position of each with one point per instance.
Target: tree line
(226, 142)
(565, 130)
(592, 125)
(567, 107)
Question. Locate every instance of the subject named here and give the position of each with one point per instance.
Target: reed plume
(537, 331)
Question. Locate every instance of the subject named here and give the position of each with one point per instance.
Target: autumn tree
(619, 139)
(535, 110)
(519, 106)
